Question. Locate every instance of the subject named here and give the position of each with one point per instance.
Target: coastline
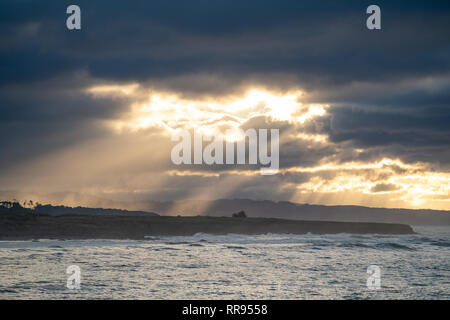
(26, 226)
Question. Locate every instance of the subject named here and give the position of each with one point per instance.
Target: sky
(364, 115)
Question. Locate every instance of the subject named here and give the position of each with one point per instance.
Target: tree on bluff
(240, 214)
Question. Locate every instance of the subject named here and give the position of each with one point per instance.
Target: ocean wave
(394, 246)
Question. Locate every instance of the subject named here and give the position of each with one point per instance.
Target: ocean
(203, 266)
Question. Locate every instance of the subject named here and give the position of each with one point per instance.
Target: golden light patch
(413, 185)
(216, 115)
(113, 89)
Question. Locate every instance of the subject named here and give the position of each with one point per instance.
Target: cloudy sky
(364, 116)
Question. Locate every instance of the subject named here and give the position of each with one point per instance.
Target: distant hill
(63, 210)
(296, 211)
(253, 208)
(289, 210)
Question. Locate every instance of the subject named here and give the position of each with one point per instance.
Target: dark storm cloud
(42, 117)
(324, 41)
(383, 187)
(209, 47)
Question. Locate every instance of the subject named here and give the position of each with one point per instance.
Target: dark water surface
(272, 266)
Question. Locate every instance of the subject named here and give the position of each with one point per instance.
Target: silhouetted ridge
(39, 209)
